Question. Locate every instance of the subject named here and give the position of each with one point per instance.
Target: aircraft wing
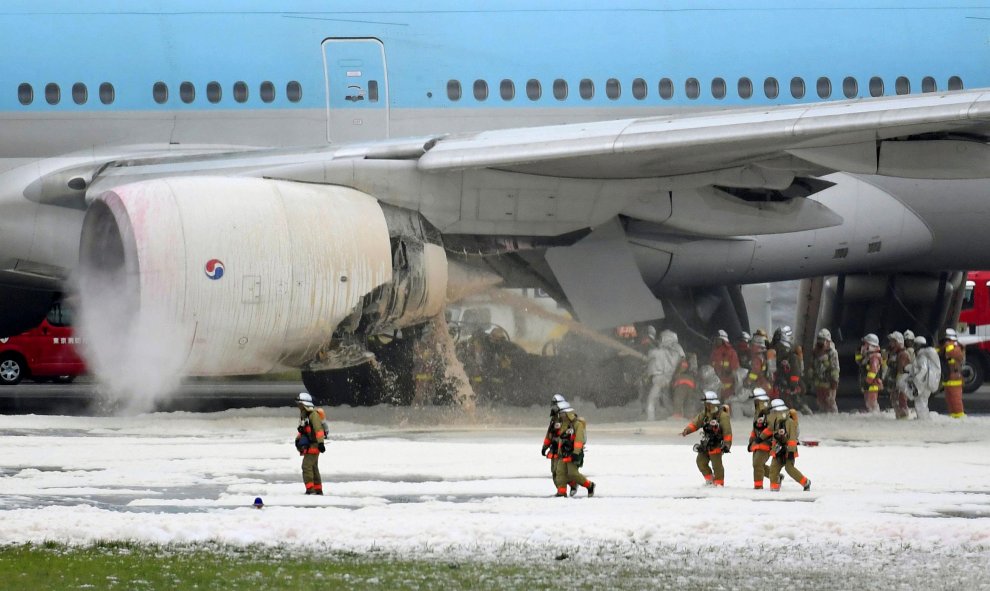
(833, 136)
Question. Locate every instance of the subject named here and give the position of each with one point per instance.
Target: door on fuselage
(357, 90)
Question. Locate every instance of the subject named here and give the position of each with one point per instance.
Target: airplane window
(666, 89)
(692, 88)
(533, 89)
(160, 92)
(107, 93)
(745, 88)
(53, 94)
(213, 92)
(507, 90)
(876, 86)
(797, 87)
(718, 88)
(241, 92)
(293, 91)
(187, 92)
(560, 89)
(80, 94)
(372, 91)
(268, 91)
(25, 94)
(587, 89)
(771, 88)
(480, 90)
(824, 87)
(902, 85)
(850, 87)
(955, 83)
(928, 84)
(454, 90)
(613, 89)
(639, 89)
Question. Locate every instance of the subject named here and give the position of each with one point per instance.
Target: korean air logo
(214, 269)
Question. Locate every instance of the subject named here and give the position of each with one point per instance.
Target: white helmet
(760, 341)
(565, 407)
(908, 335)
(950, 334)
(760, 394)
(746, 337)
(786, 331)
(559, 401)
(872, 339)
(723, 335)
(920, 341)
(710, 398)
(824, 335)
(897, 337)
(668, 337)
(778, 405)
(651, 331)
(305, 399)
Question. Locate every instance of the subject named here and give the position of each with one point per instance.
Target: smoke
(134, 348)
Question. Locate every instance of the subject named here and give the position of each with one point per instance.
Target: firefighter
(825, 371)
(551, 442)
(953, 357)
(759, 375)
(898, 360)
(660, 366)
(570, 453)
(685, 385)
(872, 382)
(787, 379)
(784, 441)
(716, 440)
(926, 374)
(759, 437)
(309, 442)
(725, 361)
(742, 349)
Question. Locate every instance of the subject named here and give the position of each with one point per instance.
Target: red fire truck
(46, 352)
(975, 317)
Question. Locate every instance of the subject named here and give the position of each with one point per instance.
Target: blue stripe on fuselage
(135, 44)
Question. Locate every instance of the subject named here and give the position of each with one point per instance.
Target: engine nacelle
(241, 275)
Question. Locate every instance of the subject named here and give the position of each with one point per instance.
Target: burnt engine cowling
(244, 276)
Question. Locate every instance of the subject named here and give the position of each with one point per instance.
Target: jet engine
(242, 276)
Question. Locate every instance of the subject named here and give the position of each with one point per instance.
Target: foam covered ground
(415, 481)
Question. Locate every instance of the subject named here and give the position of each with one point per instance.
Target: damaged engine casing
(244, 276)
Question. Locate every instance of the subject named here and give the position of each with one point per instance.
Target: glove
(578, 459)
(543, 452)
(725, 448)
(749, 447)
(321, 447)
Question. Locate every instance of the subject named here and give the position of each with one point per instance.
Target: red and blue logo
(214, 269)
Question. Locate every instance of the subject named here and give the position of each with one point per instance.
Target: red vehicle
(975, 316)
(46, 352)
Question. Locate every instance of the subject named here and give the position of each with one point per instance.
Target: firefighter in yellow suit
(783, 425)
(309, 443)
(954, 357)
(760, 437)
(713, 420)
(570, 452)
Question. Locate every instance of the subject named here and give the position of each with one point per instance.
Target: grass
(206, 566)
(128, 566)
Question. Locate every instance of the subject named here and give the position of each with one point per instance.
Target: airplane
(280, 181)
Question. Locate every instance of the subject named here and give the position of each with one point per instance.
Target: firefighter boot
(591, 489)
